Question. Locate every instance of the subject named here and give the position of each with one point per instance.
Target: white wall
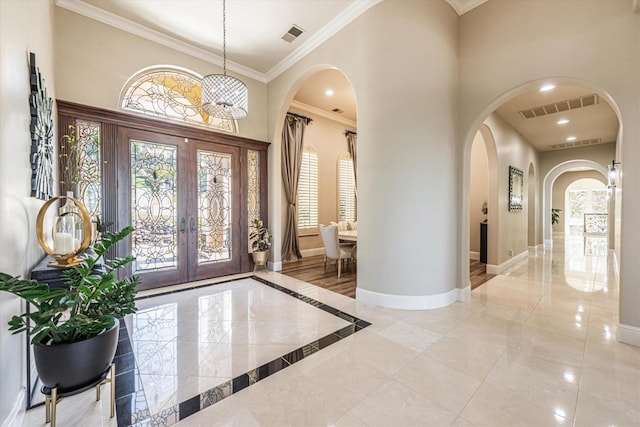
(405, 80)
(479, 191)
(586, 42)
(95, 60)
(25, 26)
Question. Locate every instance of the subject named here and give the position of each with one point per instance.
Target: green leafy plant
(86, 307)
(555, 216)
(260, 237)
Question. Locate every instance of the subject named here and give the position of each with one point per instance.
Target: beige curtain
(352, 141)
(292, 139)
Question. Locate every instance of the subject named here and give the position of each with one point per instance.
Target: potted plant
(260, 242)
(555, 216)
(75, 329)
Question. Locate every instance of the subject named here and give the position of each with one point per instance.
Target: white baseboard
(463, 294)
(16, 416)
(629, 334)
(274, 266)
(407, 302)
(499, 269)
(474, 255)
(312, 252)
(548, 243)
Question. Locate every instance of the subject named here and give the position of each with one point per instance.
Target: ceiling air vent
(337, 110)
(575, 144)
(293, 33)
(558, 107)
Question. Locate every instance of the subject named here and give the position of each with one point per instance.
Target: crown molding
(124, 24)
(357, 8)
(322, 113)
(354, 10)
(463, 6)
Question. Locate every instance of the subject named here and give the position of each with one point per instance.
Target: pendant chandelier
(224, 96)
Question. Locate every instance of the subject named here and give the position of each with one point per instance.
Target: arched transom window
(173, 94)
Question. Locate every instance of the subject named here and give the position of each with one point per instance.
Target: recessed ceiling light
(562, 121)
(547, 88)
(571, 138)
(329, 92)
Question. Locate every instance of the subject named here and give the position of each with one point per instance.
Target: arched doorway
(548, 182)
(541, 220)
(327, 175)
(483, 203)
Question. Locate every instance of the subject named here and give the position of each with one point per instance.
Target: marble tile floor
(535, 346)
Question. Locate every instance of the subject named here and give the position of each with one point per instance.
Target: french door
(183, 198)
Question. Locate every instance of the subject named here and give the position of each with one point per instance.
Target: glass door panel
(154, 197)
(214, 207)
(152, 193)
(216, 249)
(182, 198)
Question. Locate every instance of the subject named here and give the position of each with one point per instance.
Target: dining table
(348, 235)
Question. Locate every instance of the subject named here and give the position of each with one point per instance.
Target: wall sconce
(614, 174)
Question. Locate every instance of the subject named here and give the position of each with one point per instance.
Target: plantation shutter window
(308, 190)
(346, 189)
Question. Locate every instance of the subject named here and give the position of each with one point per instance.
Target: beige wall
(602, 154)
(590, 43)
(327, 138)
(560, 187)
(479, 190)
(95, 60)
(407, 100)
(25, 26)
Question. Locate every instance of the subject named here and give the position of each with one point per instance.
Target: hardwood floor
(478, 273)
(311, 270)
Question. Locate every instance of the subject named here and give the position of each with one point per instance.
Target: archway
(466, 155)
(483, 206)
(549, 179)
(540, 196)
(326, 185)
(276, 206)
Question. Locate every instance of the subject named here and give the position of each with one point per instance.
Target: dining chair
(333, 249)
(342, 225)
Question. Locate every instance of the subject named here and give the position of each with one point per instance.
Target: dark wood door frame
(112, 123)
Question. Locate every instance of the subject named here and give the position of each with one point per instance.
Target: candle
(63, 243)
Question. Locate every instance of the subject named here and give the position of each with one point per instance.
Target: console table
(483, 242)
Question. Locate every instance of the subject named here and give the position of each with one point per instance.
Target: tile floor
(535, 346)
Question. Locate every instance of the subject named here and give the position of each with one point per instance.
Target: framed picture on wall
(516, 189)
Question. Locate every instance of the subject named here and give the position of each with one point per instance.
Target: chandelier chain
(224, 36)
(224, 96)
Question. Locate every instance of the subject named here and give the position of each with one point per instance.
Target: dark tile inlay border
(131, 403)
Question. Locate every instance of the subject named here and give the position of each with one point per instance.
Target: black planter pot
(75, 365)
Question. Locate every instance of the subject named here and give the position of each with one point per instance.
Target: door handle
(183, 225)
(192, 224)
